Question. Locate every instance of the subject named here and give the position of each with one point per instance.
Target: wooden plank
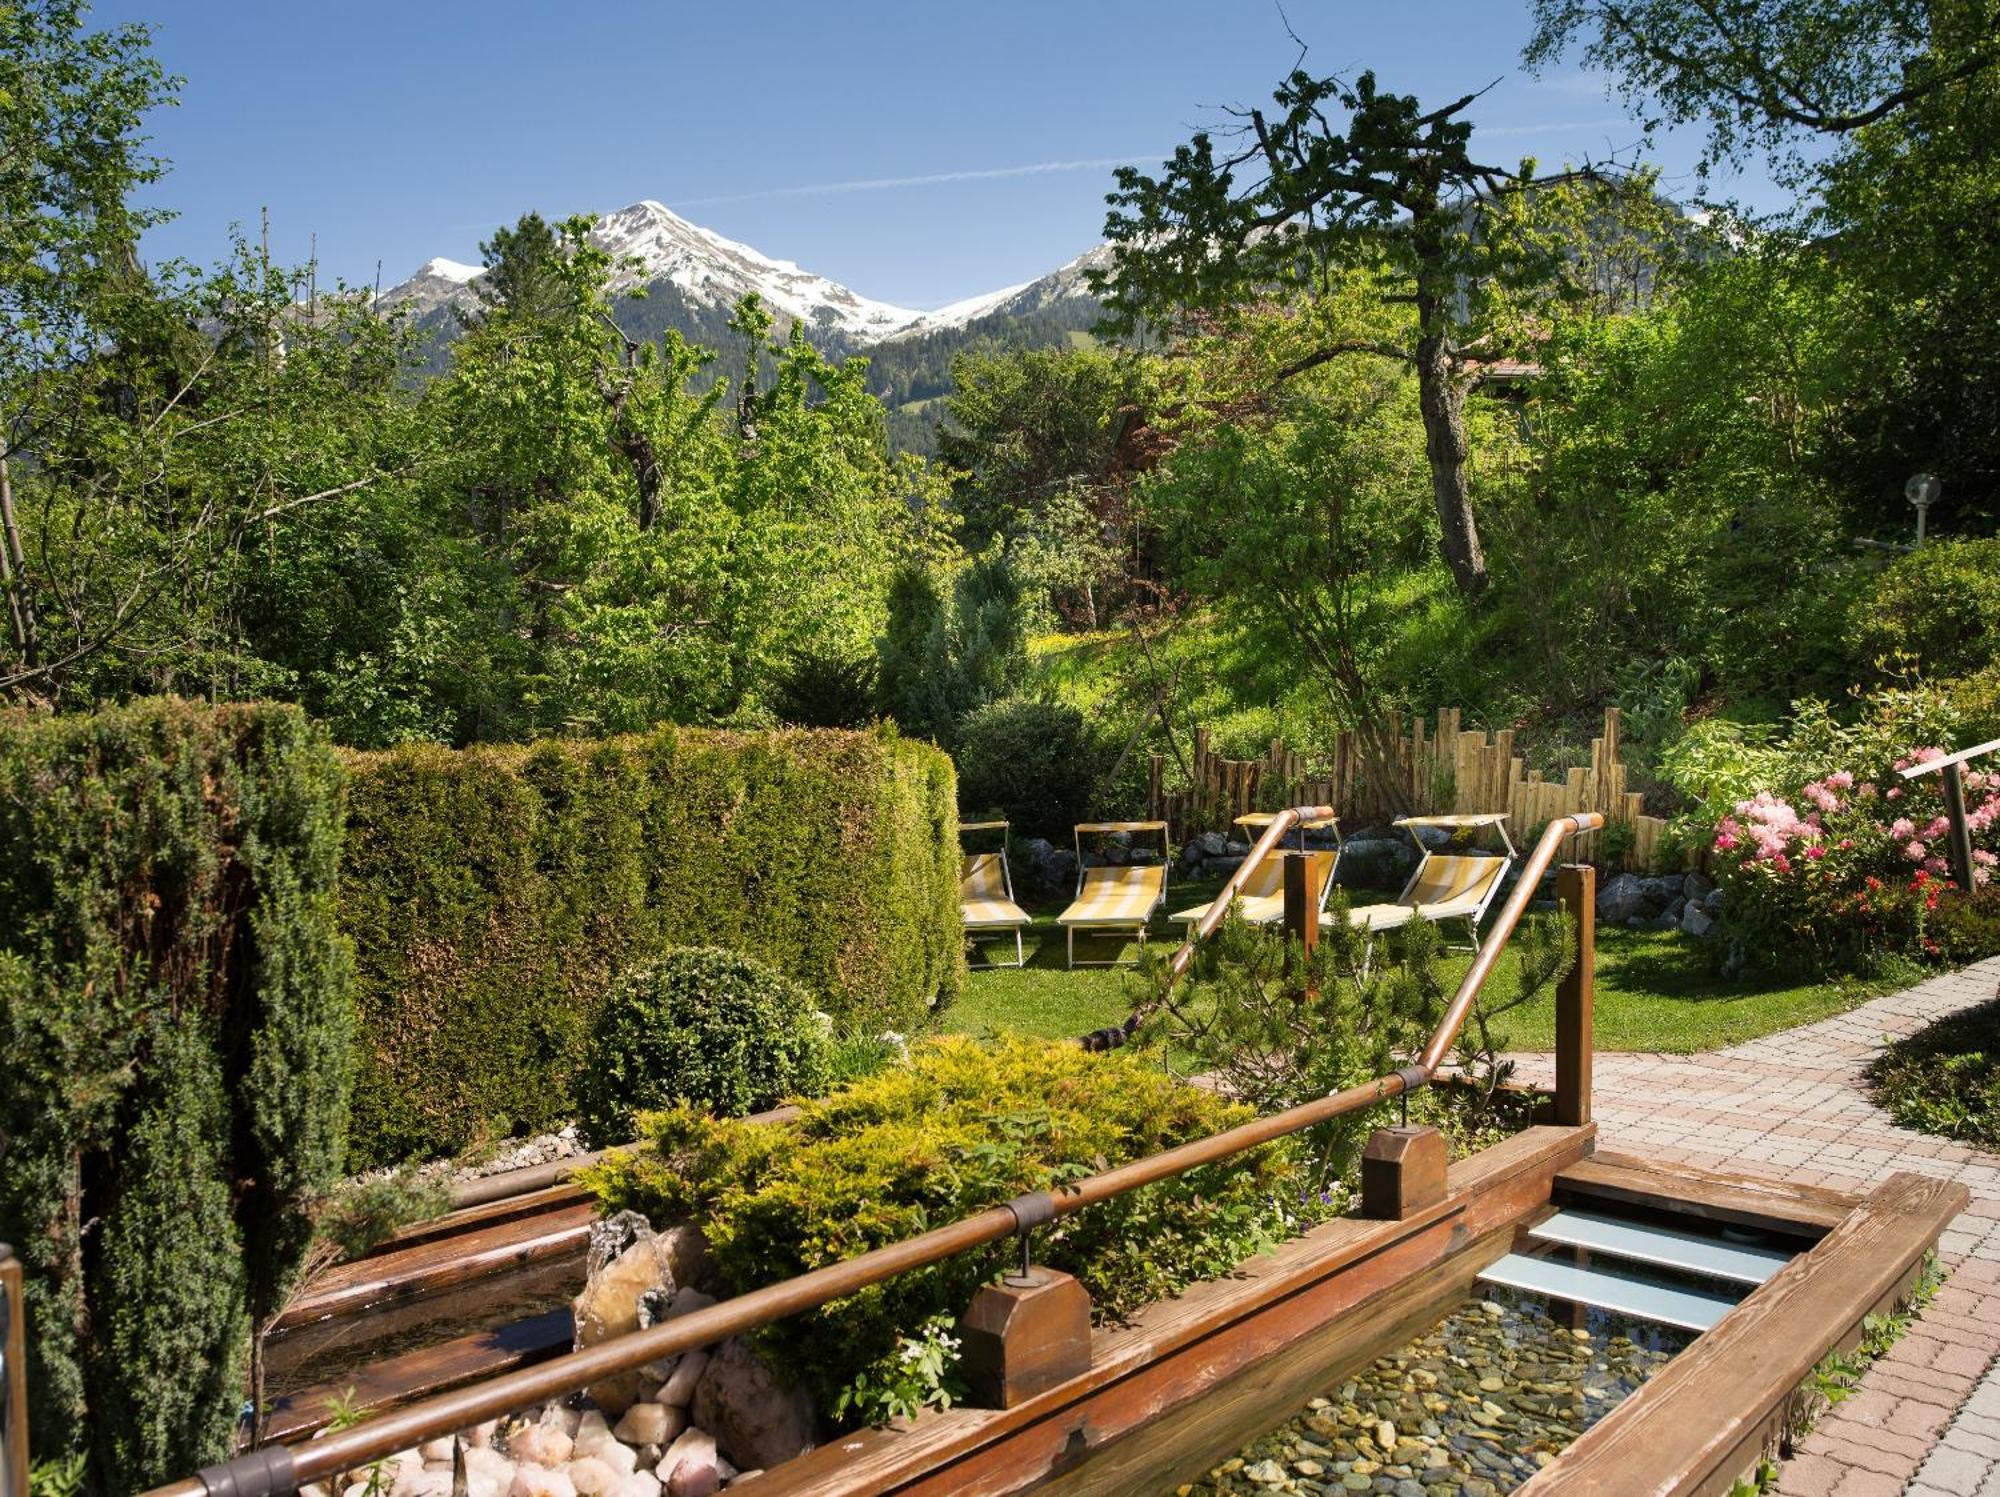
(419, 1374)
(490, 1213)
(442, 1263)
(1745, 1200)
(1709, 1414)
(1177, 1352)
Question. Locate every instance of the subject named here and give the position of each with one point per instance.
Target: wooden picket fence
(1433, 770)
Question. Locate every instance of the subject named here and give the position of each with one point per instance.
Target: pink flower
(1894, 792)
(1984, 858)
(1846, 844)
(1938, 827)
(1840, 779)
(1782, 863)
(1815, 852)
(1915, 851)
(1902, 829)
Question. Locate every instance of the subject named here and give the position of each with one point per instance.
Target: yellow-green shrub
(962, 1126)
(494, 895)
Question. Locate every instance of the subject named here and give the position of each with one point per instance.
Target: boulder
(654, 1423)
(1210, 845)
(678, 1391)
(1221, 867)
(539, 1481)
(1669, 918)
(1662, 890)
(540, 1445)
(1696, 887)
(1620, 899)
(1696, 921)
(688, 1466)
(635, 1275)
(1376, 862)
(1712, 905)
(756, 1420)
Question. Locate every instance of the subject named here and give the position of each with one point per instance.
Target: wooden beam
(1576, 892)
(1712, 1195)
(1709, 1415)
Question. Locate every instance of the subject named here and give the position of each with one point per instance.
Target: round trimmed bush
(1036, 763)
(1940, 605)
(709, 1027)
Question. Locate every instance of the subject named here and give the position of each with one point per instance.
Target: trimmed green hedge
(495, 894)
(174, 1026)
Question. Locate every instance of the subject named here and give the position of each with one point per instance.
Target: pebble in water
(1473, 1408)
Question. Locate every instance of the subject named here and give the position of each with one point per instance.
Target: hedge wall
(174, 1022)
(494, 894)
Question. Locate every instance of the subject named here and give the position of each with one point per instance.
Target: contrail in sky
(1037, 169)
(884, 184)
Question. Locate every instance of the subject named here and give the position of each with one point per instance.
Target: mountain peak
(650, 243)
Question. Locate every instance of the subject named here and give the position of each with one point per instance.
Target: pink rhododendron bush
(1837, 863)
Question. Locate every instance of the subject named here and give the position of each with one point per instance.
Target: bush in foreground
(961, 1126)
(174, 1022)
(707, 1027)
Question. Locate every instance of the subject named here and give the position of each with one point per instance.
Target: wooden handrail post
(1301, 909)
(1576, 892)
(13, 1377)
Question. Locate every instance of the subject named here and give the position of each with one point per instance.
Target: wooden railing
(282, 1469)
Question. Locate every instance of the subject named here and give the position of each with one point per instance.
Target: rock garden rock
(678, 1390)
(756, 1420)
(1696, 921)
(630, 1289)
(1620, 899)
(1376, 862)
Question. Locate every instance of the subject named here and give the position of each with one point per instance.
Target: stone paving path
(1926, 1419)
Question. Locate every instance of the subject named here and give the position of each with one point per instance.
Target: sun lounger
(1446, 886)
(1262, 899)
(986, 894)
(1115, 899)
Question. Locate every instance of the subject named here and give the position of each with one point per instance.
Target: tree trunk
(1442, 400)
(14, 572)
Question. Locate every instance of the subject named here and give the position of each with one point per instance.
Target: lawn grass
(1655, 991)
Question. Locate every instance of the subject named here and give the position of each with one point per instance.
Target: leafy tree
(71, 106)
(1034, 435)
(1394, 192)
(1760, 74)
(1292, 507)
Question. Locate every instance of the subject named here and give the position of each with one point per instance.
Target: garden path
(1926, 1418)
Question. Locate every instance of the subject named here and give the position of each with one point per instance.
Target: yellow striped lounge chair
(1446, 886)
(1262, 899)
(986, 901)
(1115, 899)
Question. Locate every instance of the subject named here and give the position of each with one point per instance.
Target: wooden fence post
(13, 1377)
(1576, 891)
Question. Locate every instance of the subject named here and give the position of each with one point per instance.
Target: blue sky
(916, 152)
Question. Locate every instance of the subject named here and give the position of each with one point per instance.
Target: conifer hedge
(494, 896)
(175, 1022)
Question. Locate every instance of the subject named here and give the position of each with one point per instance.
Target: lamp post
(1922, 491)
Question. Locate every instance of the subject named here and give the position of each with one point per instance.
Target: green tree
(72, 104)
(1394, 191)
(1759, 75)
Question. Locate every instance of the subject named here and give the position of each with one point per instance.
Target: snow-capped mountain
(653, 245)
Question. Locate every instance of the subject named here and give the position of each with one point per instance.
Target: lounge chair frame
(1276, 862)
(1497, 820)
(1137, 926)
(975, 933)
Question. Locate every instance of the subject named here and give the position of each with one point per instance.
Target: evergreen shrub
(704, 1026)
(494, 895)
(1036, 763)
(175, 1021)
(961, 1126)
(1940, 607)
